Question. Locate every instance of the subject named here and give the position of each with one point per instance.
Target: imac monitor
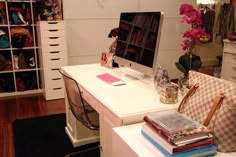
(138, 40)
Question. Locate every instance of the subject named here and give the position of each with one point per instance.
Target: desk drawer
(90, 98)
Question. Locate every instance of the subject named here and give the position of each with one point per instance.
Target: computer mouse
(118, 83)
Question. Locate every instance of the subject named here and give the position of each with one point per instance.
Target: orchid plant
(113, 33)
(191, 38)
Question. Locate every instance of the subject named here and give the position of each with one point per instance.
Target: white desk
(129, 142)
(117, 105)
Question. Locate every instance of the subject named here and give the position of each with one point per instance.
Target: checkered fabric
(223, 123)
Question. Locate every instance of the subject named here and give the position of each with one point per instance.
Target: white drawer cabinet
(229, 61)
(53, 55)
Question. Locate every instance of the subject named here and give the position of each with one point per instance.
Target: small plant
(191, 38)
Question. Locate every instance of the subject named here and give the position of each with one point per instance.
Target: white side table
(128, 141)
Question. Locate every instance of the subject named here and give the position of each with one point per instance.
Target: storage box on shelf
(53, 55)
(19, 70)
(229, 61)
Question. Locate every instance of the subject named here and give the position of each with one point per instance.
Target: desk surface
(137, 144)
(135, 98)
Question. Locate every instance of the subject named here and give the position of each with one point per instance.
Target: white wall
(89, 22)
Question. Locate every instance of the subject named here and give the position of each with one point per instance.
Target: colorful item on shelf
(4, 41)
(21, 37)
(21, 61)
(21, 18)
(15, 60)
(20, 84)
(17, 17)
(18, 63)
(2, 14)
(48, 10)
(6, 85)
(2, 62)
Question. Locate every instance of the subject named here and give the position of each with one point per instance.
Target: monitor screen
(138, 40)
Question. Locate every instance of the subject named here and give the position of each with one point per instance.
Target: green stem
(191, 48)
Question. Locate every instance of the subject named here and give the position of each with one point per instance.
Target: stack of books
(177, 135)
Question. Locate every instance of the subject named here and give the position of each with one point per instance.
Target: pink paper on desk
(108, 78)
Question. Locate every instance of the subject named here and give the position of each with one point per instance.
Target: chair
(79, 107)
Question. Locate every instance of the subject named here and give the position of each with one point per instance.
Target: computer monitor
(138, 41)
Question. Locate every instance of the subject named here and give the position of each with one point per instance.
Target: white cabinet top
(136, 142)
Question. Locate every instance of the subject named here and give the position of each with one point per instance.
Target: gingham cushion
(223, 123)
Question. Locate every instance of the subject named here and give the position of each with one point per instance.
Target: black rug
(45, 137)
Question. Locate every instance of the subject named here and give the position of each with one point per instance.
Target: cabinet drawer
(229, 70)
(54, 54)
(51, 62)
(229, 57)
(229, 77)
(53, 33)
(52, 40)
(53, 47)
(53, 83)
(54, 93)
(52, 25)
(52, 74)
(230, 47)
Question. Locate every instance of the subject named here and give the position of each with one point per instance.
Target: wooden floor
(19, 108)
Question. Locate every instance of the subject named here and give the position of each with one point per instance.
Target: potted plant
(191, 38)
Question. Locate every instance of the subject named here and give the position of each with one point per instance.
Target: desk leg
(77, 132)
(107, 121)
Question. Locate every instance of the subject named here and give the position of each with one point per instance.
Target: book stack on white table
(128, 141)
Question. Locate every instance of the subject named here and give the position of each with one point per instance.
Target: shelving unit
(19, 63)
(53, 55)
(229, 61)
(137, 38)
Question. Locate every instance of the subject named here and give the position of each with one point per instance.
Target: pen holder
(169, 93)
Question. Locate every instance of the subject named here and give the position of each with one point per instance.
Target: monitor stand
(131, 74)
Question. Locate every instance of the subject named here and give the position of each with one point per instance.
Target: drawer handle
(53, 30)
(56, 78)
(54, 44)
(53, 37)
(52, 22)
(55, 69)
(55, 59)
(57, 88)
(54, 51)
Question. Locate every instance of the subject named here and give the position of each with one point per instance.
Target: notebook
(111, 79)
